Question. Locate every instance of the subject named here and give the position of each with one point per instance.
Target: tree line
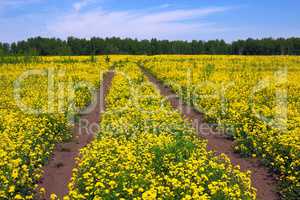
(97, 46)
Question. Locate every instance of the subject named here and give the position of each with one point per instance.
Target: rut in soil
(58, 172)
(261, 178)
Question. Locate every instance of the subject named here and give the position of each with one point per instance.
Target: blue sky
(146, 19)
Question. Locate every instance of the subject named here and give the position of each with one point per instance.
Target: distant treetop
(97, 46)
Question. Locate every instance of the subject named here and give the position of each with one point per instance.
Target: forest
(41, 46)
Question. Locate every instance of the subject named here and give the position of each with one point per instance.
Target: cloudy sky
(146, 19)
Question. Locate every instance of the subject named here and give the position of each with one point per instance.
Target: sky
(145, 19)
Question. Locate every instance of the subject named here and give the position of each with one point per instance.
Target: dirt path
(58, 172)
(262, 180)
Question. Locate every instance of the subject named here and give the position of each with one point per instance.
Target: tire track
(262, 180)
(58, 172)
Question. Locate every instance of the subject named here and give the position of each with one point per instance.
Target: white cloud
(179, 15)
(172, 24)
(78, 6)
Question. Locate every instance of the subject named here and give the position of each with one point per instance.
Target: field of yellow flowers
(37, 102)
(254, 99)
(145, 150)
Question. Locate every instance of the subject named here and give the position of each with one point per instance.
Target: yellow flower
(18, 196)
(149, 195)
(53, 196)
(15, 173)
(11, 189)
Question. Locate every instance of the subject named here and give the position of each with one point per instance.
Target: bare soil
(261, 178)
(58, 172)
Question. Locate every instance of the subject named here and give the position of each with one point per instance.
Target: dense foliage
(76, 46)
